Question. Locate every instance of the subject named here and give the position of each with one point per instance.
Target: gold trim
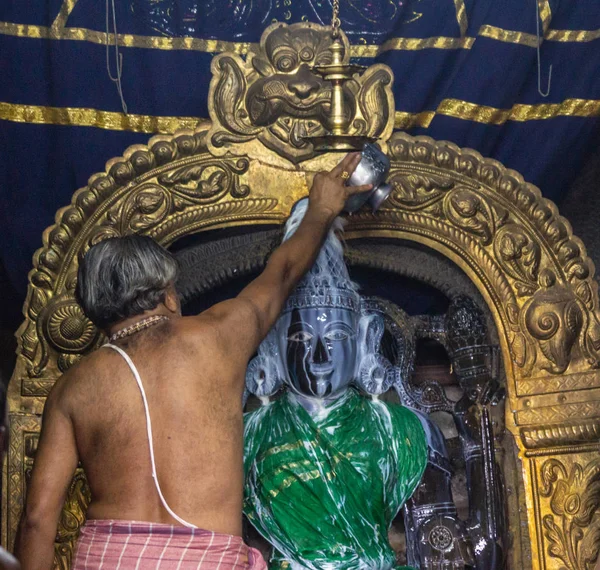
(283, 448)
(422, 43)
(157, 42)
(24, 30)
(242, 48)
(465, 110)
(218, 46)
(63, 14)
(493, 116)
(461, 17)
(573, 35)
(508, 36)
(126, 40)
(82, 117)
(404, 121)
(59, 31)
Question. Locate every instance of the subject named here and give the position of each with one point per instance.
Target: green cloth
(324, 490)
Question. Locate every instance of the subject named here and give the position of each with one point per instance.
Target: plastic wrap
(325, 489)
(327, 469)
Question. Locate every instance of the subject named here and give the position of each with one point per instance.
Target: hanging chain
(335, 20)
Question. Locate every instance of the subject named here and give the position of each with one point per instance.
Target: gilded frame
(512, 243)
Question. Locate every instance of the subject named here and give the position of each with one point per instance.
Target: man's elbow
(30, 524)
(36, 522)
(290, 274)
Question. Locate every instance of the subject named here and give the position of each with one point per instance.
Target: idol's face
(320, 351)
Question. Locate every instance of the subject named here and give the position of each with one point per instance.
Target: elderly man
(156, 416)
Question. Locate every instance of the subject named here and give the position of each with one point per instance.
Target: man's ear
(172, 300)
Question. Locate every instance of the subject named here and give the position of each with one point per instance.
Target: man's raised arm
(256, 309)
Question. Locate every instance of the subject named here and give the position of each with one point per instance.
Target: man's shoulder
(197, 337)
(85, 372)
(225, 320)
(193, 328)
(68, 385)
(240, 307)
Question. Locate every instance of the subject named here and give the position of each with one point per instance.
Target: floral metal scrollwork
(573, 530)
(71, 519)
(519, 254)
(479, 206)
(468, 211)
(205, 181)
(417, 191)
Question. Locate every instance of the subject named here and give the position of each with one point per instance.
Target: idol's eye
(337, 335)
(300, 336)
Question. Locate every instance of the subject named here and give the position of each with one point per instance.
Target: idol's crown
(465, 323)
(327, 283)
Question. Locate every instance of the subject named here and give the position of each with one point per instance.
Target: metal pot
(373, 168)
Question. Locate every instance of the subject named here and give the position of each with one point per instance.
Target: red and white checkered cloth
(124, 545)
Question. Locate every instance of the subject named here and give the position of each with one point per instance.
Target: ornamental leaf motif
(519, 255)
(415, 191)
(207, 181)
(556, 538)
(573, 530)
(372, 100)
(519, 350)
(471, 213)
(229, 90)
(148, 209)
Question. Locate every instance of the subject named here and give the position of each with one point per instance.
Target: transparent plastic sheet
(324, 490)
(327, 469)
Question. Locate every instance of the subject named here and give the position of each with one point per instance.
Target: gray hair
(122, 277)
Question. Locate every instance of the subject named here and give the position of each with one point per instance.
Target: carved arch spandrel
(512, 243)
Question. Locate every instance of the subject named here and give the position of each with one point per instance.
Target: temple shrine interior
(466, 288)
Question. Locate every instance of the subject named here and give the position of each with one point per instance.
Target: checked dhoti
(124, 545)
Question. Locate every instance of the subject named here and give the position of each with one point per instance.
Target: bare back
(194, 393)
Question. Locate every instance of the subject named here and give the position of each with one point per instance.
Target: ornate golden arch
(533, 273)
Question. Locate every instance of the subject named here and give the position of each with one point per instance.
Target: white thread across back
(136, 375)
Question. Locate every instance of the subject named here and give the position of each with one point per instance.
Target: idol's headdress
(327, 283)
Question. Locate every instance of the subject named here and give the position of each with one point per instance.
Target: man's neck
(161, 310)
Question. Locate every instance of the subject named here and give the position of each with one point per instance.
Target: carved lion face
(272, 96)
(286, 97)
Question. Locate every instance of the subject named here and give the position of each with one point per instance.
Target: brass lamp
(337, 72)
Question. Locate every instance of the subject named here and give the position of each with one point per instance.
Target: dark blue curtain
(466, 71)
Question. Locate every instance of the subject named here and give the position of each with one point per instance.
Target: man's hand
(329, 192)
